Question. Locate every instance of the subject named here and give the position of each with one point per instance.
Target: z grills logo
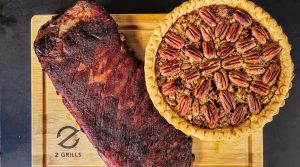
(68, 142)
(67, 138)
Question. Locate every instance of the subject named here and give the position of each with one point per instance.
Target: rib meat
(102, 84)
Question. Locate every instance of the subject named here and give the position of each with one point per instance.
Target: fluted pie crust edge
(255, 122)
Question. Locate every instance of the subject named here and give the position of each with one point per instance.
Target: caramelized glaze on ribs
(103, 86)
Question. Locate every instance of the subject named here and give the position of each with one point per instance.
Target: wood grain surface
(49, 115)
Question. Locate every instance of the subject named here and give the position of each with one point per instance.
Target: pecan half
(196, 107)
(239, 78)
(209, 16)
(202, 88)
(260, 34)
(254, 103)
(239, 114)
(210, 112)
(232, 62)
(255, 69)
(169, 53)
(225, 50)
(209, 49)
(221, 79)
(190, 76)
(234, 32)
(271, 74)
(210, 66)
(183, 105)
(170, 68)
(251, 57)
(174, 40)
(271, 50)
(243, 45)
(227, 100)
(192, 33)
(169, 88)
(193, 53)
(242, 17)
(207, 33)
(260, 88)
(222, 29)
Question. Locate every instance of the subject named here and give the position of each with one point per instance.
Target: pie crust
(255, 122)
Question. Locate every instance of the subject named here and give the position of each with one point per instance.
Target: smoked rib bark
(103, 86)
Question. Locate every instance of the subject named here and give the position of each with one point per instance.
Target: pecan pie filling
(217, 66)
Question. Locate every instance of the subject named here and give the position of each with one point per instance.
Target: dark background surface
(281, 136)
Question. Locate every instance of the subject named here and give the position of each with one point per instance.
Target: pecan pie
(218, 69)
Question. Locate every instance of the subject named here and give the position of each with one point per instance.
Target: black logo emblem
(62, 143)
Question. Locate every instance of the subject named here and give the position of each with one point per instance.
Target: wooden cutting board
(58, 141)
